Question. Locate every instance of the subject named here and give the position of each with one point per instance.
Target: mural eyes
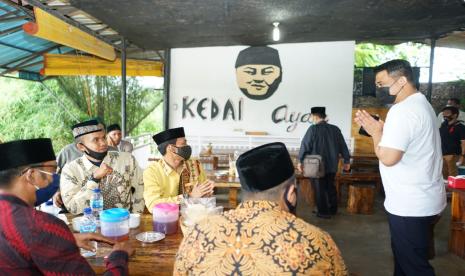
(250, 71)
(267, 71)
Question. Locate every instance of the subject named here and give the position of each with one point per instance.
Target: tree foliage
(101, 97)
(370, 55)
(31, 109)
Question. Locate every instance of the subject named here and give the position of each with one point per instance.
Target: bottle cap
(87, 211)
(96, 190)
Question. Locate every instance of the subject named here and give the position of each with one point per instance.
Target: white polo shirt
(414, 186)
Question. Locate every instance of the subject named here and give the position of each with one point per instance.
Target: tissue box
(457, 182)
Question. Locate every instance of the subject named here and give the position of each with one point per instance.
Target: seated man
(66, 155)
(262, 236)
(174, 175)
(33, 242)
(117, 174)
(71, 152)
(114, 139)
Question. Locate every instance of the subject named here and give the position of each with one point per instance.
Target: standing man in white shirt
(408, 146)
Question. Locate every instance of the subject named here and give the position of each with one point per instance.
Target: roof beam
(9, 13)
(17, 68)
(27, 59)
(18, 7)
(71, 22)
(11, 30)
(16, 18)
(49, 27)
(16, 47)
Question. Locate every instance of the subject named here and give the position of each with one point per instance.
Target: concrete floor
(364, 240)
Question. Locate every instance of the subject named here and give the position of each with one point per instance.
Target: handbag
(314, 166)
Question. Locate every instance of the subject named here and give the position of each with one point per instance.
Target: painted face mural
(258, 72)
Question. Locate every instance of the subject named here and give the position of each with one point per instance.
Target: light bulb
(276, 34)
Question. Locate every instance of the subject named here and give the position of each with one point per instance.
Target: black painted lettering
(186, 107)
(201, 108)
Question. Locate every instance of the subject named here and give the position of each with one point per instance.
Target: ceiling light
(276, 34)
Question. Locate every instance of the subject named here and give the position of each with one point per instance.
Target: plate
(150, 236)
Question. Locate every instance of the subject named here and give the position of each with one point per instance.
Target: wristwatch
(92, 178)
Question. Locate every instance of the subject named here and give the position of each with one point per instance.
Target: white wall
(314, 74)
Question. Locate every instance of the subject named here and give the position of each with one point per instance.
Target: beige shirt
(123, 188)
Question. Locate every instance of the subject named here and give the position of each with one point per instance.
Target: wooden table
(457, 224)
(150, 258)
(364, 168)
(226, 181)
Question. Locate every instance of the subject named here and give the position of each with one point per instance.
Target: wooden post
(361, 199)
(457, 224)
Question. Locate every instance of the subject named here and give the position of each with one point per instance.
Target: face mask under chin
(94, 154)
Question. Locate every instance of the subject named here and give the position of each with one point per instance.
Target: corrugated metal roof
(20, 53)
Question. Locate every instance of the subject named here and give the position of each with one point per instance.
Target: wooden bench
(361, 173)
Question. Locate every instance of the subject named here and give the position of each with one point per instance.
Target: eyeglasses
(40, 166)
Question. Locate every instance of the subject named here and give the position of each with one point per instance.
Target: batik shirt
(123, 188)
(36, 243)
(164, 184)
(258, 238)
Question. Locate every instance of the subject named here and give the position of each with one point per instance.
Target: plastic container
(96, 203)
(88, 225)
(134, 220)
(165, 218)
(114, 224)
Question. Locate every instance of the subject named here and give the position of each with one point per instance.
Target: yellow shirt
(258, 238)
(161, 182)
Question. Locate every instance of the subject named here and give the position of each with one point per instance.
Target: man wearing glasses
(33, 242)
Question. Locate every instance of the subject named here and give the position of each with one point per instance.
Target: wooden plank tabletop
(149, 258)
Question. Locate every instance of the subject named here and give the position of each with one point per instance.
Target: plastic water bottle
(96, 203)
(88, 225)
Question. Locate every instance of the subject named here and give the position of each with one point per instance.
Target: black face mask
(94, 154)
(383, 94)
(185, 152)
(292, 208)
